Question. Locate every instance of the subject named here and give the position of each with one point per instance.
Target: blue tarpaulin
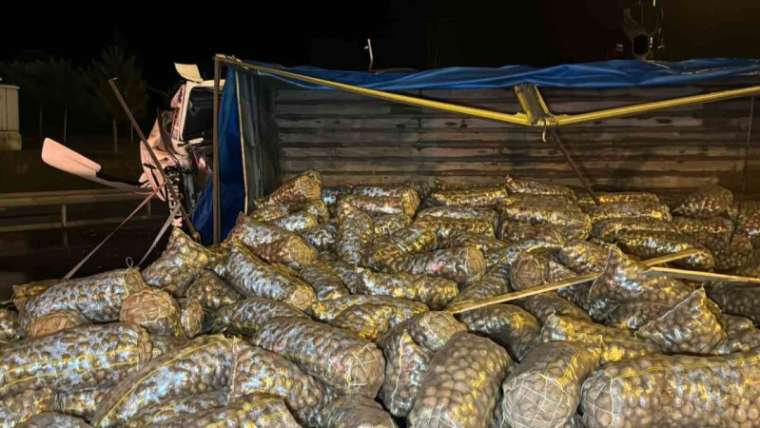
(595, 75)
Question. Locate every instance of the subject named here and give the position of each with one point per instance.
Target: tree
(114, 62)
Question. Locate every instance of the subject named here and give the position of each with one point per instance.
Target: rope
(94, 250)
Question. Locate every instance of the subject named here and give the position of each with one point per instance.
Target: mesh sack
(737, 299)
(729, 254)
(583, 256)
(741, 335)
(53, 419)
(355, 233)
(612, 344)
(260, 371)
(255, 410)
(326, 283)
(461, 386)
(554, 210)
(748, 219)
(211, 291)
(485, 197)
(489, 246)
(708, 202)
(674, 391)
(619, 210)
(16, 409)
(77, 358)
(54, 322)
(691, 327)
(406, 241)
(587, 202)
(178, 264)
(328, 310)
(435, 292)
(633, 315)
(269, 213)
(544, 305)
(717, 226)
(367, 321)
(433, 330)
(297, 221)
(331, 195)
(24, 292)
(177, 407)
(491, 284)
(609, 230)
(406, 363)
(154, 310)
(530, 269)
(318, 209)
(445, 228)
(272, 243)
(460, 213)
(409, 196)
(247, 316)
(752, 266)
(191, 317)
(533, 187)
(334, 356)
(350, 411)
(379, 205)
(80, 402)
(508, 325)
(385, 225)
(322, 237)
(253, 277)
(9, 326)
(296, 191)
(202, 365)
(462, 265)
(544, 390)
(98, 297)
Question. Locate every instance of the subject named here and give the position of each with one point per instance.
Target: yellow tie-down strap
(534, 119)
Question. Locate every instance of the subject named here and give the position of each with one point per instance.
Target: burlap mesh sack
(729, 253)
(486, 197)
(296, 191)
(297, 221)
(737, 299)
(388, 198)
(331, 195)
(355, 234)
(462, 265)
(544, 305)
(54, 322)
(691, 327)
(248, 315)
(318, 209)
(748, 219)
(554, 210)
(461, 386)
(406, 362)
(385, 225)
(446, 228)
(253, 277)
(378, 205)
(260, 371)
(719, 226)
(255, 410)
(368, 321)
(508, 325)
(324, 280)
(587, 202)
(17, 408)
(636, 209)
(609, 230)
(203, 365)
(24, 292)
(491, 284)
(460, 213)
(154, 310)
(178, 264)
(334, 356)
(752, 266)
(433, 330)
(322, 237)
(403, 309)
(612, 344)
(583, 256)
(633, 315)
(191, 317)
(530, 269)
(10, 329)
(211, 291)
(272, 243)
(402, 243)
(435, 292)
(98, 297)
(53, 419)
(544, 390)
(351, 411)
(674, 391)
(78, 358)
(709, 201)
(533, 187)
(177, 407)
(81, 402)
(741, 335)
(269, 213)
(489, 246)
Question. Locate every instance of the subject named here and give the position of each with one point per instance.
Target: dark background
(414, 34)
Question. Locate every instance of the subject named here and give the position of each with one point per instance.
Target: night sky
(409, 34)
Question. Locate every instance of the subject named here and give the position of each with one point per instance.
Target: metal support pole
(216, 193)
(153, 158)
